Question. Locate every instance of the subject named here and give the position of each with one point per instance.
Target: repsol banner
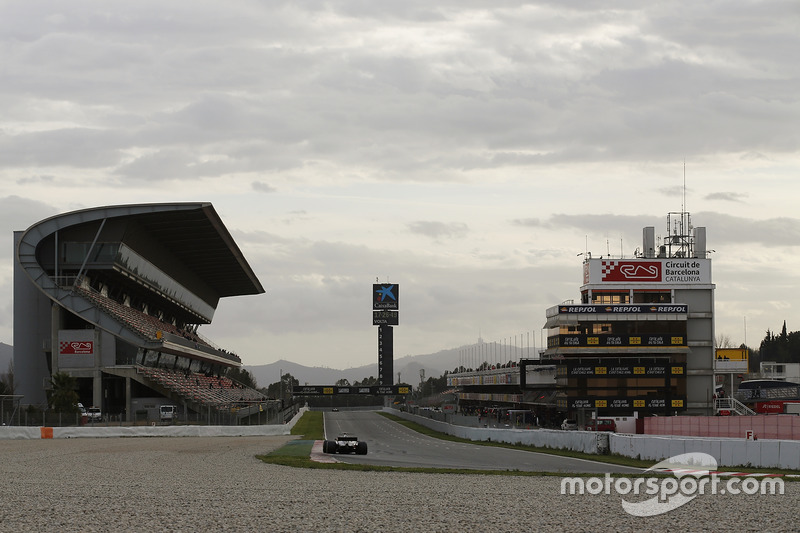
(330, 390)
(605, 369)
(622, 308)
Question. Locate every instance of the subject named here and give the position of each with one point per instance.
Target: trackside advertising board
(76, 348)
(385, 296)
(331, 390)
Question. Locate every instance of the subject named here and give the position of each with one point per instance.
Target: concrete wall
(729, 452)
(579, 441)
(16, 432)
(781, 427)
(31, 332)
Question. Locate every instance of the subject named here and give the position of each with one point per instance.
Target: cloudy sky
(467, 151)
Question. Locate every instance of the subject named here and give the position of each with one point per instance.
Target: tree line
(783, 347)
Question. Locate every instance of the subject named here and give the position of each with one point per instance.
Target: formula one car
(345, 443)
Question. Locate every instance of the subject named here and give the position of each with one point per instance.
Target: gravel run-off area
(216, 483)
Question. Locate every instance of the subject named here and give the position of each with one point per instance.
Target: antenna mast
(680, 242)
(683, 203)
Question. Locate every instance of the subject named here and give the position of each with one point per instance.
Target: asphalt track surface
(392, 444)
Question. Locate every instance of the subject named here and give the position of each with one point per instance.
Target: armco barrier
(579, 441)
(729, 452)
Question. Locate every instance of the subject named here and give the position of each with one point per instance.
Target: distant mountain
(434, 365)
(6, 355)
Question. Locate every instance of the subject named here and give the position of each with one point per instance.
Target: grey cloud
(607, 223)
(527, 222)
(41, 178)
(722, 228)
(491, 96)
(166, 164)
(439, 230)
(676, 191)
(72, 147)
(18, 214)
(260, 186)
(327, 284)
(727, 196)
(773, 232)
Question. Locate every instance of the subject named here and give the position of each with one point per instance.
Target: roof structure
(193, 232)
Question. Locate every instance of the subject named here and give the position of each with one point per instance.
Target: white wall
(729, 452)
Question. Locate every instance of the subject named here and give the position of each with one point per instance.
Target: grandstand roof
(193, 232)
(199, 238)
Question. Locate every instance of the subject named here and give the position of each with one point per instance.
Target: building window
(610, 298)
(652, 297)
(599, 329)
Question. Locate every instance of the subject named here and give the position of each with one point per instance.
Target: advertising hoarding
(76, 348)
(672, 271)
(385, 296)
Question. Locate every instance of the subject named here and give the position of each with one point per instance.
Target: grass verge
(310, 426)
(610, 459)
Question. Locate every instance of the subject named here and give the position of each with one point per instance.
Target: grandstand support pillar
(55, 325)
(97, 381)
(97, 389)
(128, 399)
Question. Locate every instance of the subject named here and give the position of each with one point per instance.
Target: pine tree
(63, 397)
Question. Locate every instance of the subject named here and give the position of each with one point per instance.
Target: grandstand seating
(144, 325)
(215, 391)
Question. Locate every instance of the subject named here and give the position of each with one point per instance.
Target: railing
(768, 393)
(732, 405)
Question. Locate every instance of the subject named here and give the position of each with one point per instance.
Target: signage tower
(385, 314)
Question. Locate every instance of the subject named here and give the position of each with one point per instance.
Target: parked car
(601, 424)
(569, 424)
(94, 414)
(168, 413)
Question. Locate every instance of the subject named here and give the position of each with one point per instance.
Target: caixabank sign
(385, 296)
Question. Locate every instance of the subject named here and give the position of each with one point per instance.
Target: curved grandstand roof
(192, 232)
(188, 239)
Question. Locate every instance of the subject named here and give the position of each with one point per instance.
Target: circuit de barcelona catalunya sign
(673, 271)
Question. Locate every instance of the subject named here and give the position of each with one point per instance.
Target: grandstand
(114, 296)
